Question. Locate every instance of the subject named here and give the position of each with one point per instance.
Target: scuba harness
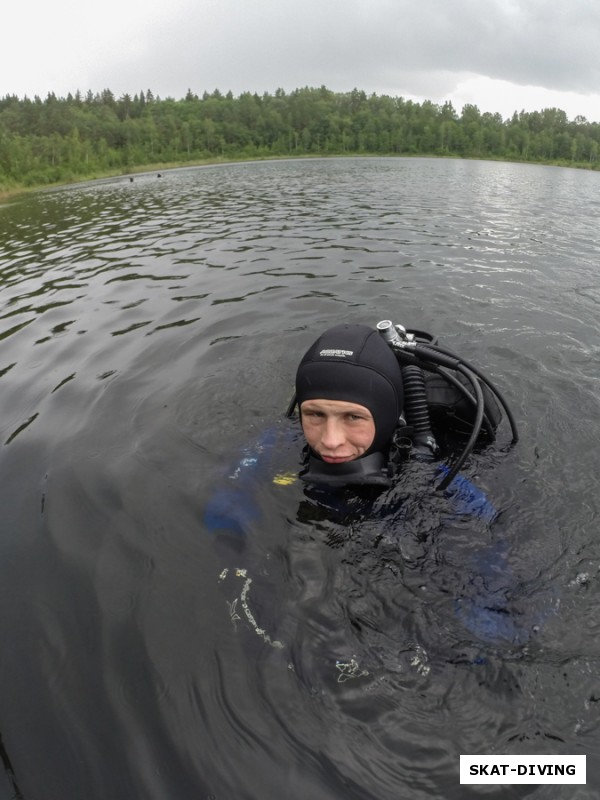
(441, 391)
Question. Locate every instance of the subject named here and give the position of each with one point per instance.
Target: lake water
(150, 329)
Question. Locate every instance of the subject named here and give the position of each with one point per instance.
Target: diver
(373, 400)
(369, 401)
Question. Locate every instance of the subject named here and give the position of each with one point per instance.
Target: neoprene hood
(354, 364)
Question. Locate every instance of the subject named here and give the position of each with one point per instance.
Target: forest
(59, 140)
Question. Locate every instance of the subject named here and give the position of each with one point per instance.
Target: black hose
(453, 471)
(429, 350)
(453, 380)
(433, 360)
(417, 408)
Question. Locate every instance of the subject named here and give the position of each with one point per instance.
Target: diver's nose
(333, 434)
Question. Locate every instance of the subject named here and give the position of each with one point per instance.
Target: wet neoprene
(353, 363)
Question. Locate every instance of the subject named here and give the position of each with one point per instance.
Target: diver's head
(350, 394)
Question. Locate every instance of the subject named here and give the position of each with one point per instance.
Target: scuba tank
(442, 389)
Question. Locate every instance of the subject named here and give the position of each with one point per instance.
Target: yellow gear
(285, 478)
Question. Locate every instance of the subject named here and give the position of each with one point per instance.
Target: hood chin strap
(371, 470)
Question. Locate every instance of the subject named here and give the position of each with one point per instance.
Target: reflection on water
(148, 331)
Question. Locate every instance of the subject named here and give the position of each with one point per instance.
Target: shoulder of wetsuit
(266, 455)
(233, 506)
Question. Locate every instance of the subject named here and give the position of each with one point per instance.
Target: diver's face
(336, 430)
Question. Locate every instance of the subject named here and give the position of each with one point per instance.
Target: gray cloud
(422, 49)
(259, 45)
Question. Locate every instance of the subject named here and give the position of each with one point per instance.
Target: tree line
(63, 139)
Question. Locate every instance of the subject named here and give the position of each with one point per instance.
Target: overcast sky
(501, 55)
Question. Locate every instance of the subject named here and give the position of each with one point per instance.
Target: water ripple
(148, 331)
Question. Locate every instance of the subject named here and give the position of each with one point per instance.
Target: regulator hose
(417, 409)
(454, 469)
(410, 349)
(428, 358)
(430, 351)
(450, 378)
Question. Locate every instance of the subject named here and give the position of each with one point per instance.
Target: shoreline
(6, 195)
(11, 194)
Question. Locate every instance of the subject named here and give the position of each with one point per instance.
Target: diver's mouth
(336, 459)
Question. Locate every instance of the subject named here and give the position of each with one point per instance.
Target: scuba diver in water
(370, 401)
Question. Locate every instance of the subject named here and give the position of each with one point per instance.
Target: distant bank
(64, 140)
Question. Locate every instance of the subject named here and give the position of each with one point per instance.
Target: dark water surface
(149, 330)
